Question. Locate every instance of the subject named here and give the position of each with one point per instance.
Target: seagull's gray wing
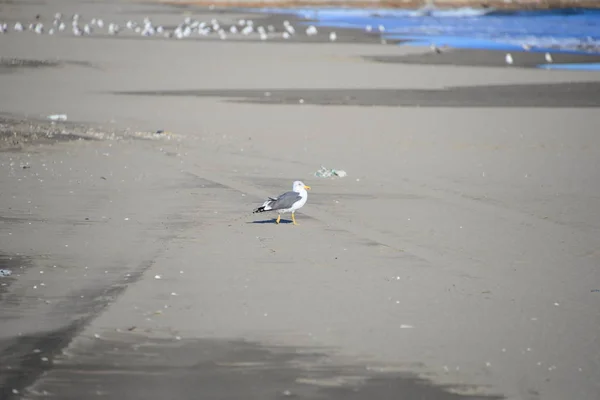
(284, 201)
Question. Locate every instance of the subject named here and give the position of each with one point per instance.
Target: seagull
(113, 28)
(509, 59)
(287, 202)
(548, 57)
(311, 30)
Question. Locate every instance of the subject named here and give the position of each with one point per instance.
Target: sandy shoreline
(457, 260)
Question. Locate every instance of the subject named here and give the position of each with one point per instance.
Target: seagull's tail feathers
(265, 207)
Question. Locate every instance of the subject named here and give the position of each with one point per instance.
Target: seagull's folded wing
(285, 201)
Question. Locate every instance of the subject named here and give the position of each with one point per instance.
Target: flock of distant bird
(187, 29)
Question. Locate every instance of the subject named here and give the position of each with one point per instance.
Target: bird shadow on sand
(270, 221)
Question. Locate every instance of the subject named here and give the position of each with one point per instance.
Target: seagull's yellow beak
(306, 187)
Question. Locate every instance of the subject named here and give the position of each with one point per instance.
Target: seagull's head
(299, 186)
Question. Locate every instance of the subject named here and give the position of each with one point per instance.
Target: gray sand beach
(458, 259)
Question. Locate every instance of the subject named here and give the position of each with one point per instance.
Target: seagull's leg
(278, 218)
(294, 218)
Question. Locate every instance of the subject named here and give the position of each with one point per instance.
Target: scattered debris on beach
(17, 132)
(324, 172)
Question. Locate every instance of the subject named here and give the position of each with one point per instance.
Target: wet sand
(457, 260)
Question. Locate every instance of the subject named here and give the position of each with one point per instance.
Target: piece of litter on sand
(57, 117)
(593, 290)
(157, 277)
(5, 272)
(404, 326)
(328, 173)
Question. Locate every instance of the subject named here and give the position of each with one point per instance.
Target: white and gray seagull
(287, 202)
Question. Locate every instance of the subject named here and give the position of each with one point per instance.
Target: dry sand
(460, 250)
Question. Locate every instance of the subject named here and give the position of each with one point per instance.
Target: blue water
(564, 30)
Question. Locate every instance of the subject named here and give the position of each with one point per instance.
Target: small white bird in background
(333, 36)
(435, 49)
(548, 57)
(288, 27)
(311, 30)
(287, 202)
(509, 59)
(247, 30)
(113, 29)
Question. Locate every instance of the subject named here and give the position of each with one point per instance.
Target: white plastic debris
(324, 172)
(57, 117)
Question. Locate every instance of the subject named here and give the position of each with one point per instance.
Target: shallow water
(564, 30)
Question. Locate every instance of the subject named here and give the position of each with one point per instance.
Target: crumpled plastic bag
(330, 173)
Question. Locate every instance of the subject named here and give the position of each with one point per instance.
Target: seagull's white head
(299, 187)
